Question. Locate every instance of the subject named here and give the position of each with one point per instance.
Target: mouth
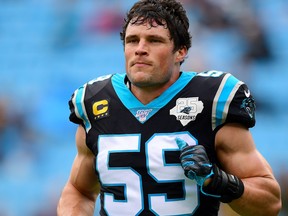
(140, 64)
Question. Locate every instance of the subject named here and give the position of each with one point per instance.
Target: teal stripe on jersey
(80, 110)
(223, 98)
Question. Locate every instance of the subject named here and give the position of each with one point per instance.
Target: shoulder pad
(77, 107)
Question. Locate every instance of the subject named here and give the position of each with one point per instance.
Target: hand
(195, 162)
(212, 180)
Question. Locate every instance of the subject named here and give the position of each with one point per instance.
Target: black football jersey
(137, 158)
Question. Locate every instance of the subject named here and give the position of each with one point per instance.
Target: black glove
(194, 161)
(197, 166)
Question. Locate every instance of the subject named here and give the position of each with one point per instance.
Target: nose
(142, 48)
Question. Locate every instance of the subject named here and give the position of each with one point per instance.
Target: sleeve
(78, 114)
(73, 117)
(233, 103)
(242, 108)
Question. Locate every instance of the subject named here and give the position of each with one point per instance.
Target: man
(138, 131)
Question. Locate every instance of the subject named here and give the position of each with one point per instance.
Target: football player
(160, 141)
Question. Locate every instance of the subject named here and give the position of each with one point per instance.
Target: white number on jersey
(132, 180)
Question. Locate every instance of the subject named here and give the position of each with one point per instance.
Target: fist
(194, 161)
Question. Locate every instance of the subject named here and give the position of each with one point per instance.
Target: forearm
(261, 197)
(74, 203)
(247, 196)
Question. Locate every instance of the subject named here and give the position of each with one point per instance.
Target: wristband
(225, 186)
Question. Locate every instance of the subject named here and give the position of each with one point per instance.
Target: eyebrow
(148, 36)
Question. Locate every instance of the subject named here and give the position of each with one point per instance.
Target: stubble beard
(147, 81)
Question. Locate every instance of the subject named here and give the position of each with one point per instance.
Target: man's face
(150, 61)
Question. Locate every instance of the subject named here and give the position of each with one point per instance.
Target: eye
(155, 40)
(132, 40)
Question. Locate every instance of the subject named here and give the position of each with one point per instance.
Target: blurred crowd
(49, 48)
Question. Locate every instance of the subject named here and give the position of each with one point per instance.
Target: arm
(237, 154)
(81, 190)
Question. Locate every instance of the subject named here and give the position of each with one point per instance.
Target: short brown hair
(168, 13)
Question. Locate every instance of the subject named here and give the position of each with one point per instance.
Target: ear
(181, 54)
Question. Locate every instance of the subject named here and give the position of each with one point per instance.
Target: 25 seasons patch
(187, 109)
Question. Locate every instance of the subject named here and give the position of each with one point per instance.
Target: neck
(146, 94)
